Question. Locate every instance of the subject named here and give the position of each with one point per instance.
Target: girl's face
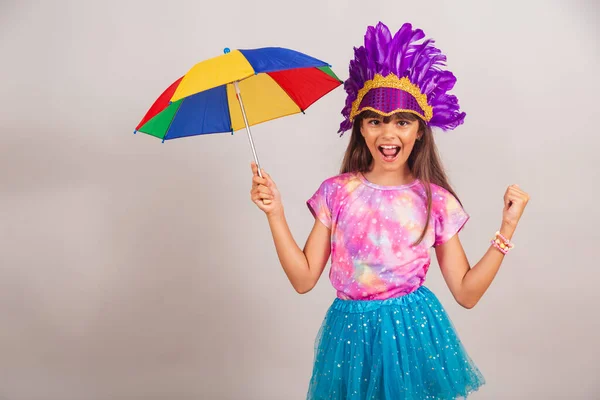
(390, 140)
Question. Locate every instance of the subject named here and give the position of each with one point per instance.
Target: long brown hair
(424, 161)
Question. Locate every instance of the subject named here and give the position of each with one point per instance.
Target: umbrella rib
(172, 119)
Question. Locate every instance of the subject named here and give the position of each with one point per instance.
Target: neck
(383, 177)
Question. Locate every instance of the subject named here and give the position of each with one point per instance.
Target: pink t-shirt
(373, 228)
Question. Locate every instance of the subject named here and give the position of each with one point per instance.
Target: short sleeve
(450, 216)
(320, 204)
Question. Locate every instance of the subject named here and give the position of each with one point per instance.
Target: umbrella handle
(266, 202)
(239, 97)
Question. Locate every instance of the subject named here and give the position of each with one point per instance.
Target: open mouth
(389, 152)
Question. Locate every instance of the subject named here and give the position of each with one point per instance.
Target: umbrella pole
(239, 97)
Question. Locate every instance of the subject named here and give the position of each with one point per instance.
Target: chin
(393, 167)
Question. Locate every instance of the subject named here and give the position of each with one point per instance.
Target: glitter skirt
(400, 348)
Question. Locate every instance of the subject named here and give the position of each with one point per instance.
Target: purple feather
(442, 83)
(403, 55)
(397, 55)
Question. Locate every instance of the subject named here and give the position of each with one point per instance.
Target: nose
(388, 131)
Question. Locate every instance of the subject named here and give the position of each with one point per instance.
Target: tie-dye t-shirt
(373, 229)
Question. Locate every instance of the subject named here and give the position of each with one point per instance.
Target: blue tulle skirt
(395, 349)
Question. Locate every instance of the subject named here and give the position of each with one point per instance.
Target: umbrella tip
(226, 50)
(135, 131)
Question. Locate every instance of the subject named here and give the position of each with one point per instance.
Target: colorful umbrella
(274, 82)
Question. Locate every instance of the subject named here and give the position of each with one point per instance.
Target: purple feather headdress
(397, 74)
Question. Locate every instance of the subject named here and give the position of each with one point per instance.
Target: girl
(386, 336)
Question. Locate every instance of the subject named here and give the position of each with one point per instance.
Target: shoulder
(443, 201)
(440, 193)
(336, 188)
(347, 180)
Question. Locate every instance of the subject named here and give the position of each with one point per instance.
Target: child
(386, 336)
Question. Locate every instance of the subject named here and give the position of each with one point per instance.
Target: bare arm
(302, 267)
(467, 284)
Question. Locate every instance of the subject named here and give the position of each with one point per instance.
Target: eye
(403, 123)
(373, 122)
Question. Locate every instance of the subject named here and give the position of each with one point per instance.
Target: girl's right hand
(265, 189)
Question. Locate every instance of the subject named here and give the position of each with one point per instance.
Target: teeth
(389, 147)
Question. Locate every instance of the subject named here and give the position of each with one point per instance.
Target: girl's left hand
(515, 201)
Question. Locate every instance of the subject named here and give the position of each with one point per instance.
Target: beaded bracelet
(502, 243)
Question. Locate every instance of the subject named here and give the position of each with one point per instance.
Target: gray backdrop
(131, 269)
